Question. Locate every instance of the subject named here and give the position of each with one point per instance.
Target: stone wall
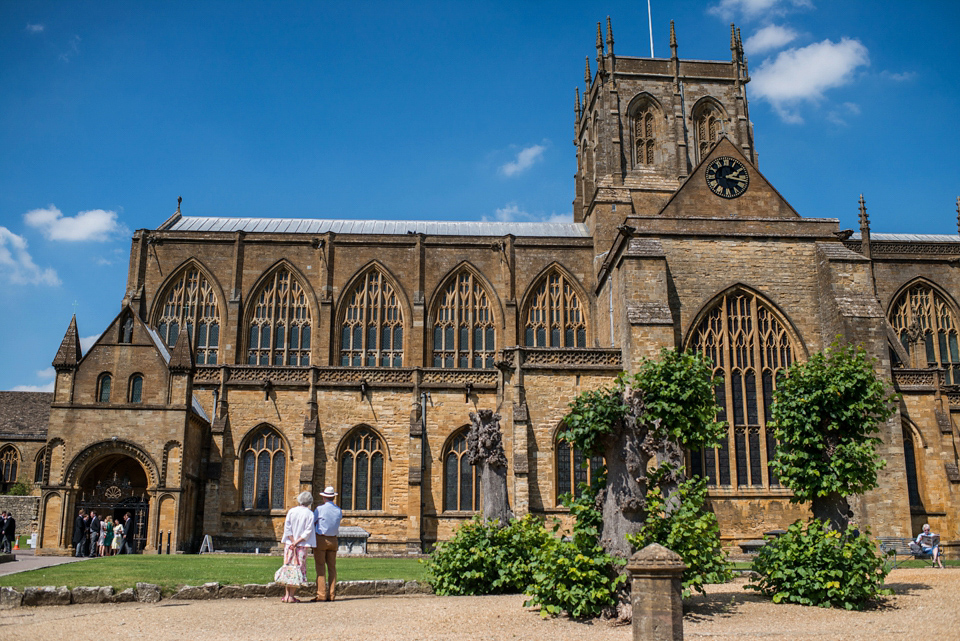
(26, 511)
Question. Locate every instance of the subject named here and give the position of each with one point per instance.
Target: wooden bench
(896, 546)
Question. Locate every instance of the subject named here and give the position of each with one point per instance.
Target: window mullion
(726, 346)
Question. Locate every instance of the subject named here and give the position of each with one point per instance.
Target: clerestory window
(934, 322)
(190, 305)
(554, 316)
(463, 331)
(371, 330)
(279, 332)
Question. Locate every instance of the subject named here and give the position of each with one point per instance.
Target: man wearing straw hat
(328, 517)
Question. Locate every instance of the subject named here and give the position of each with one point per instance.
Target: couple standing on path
(318, 529)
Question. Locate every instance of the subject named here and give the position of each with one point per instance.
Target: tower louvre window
(709, 127)
(645, 119)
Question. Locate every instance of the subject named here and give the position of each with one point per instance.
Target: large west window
(463, 331)
(190, 305)
(371, 330)
(264, 470)
(933, 319)
(361, 471)
(554, 315)
(279, 331)
(749, 346)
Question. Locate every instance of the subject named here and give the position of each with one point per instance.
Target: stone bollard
(655, 594)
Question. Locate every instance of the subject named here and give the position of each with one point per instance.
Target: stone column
(655, 594)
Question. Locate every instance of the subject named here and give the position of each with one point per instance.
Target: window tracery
(554, 315)
(371, 333)
(279, 332)
(573, 468)
(709, 126)
(264, 471)
(934, 321)
(190, 303)
(361, 471)
(461, 483)
(645, 133)
(749, 347)
(463, 331)
(9, 464)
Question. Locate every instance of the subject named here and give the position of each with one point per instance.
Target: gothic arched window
(9, 464)
(645, 120)
(910, 463)
(264, 469)
(136, 388)
(361, 471)
(932, 320)
(461, 482)
(749, 346)
(709, 126)
(189, 303)
(554, 316)
(573, 468)
(279, 331)
(39, 465)
(463, 332)
(103, 388)
(371, 332)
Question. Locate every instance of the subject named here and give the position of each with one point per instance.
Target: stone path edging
(150, 593)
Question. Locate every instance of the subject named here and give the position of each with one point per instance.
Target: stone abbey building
(253, 358)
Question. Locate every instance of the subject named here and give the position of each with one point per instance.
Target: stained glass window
(555, 316)
(572, 470)
(748, 347)
(463, 332)
(189, 304)
(264, 471)
(371, 332)
(103, 388)
(136, 388)
(9, 464)
(361, 471)
(461, 491)
(924, 308)
(279, 332)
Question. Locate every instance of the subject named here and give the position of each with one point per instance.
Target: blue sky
(427, 110)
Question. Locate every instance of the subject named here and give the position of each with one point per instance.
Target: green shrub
(18, 489)
(581, 582)
(814, 565)
(690, 531)
(483, 558)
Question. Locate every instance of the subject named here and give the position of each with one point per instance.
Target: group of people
(93, 536)
(304, 529)
(8, 532)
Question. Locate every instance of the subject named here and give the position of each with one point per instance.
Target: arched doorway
(115, 485)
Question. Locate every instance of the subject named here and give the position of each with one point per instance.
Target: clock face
(727, 177)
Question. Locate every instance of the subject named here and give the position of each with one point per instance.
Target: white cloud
(802, 75)
(524, 160)
(899, 77)
(46, 387)
(17, 265)
(46, 373)
(769, 38)
(96, 224)
(838, 116)
(35, 28)
(73, 48)
(512, 213)
(727, 9)
(87, 342)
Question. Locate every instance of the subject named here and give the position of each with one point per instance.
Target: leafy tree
(651, 416)
(825, 415)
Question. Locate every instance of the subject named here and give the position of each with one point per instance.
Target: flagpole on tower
(650, 24)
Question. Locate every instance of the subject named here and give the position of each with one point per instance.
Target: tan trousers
(325, 554)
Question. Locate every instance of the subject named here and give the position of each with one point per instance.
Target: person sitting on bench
(930, 544)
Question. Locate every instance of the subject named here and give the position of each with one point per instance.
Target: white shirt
(328, 519)
(299, 525)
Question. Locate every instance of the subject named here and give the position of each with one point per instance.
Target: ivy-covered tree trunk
(485, 445)
(832, 509)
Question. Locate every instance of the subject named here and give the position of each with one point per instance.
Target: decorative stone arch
(456, 350)
(353, 494)
(646, 124)
(156, 306)
(923, 311)
(206, 348)
(709, 120)
(251, 305)
(532, 293)
(165, 470)
(55, 447)
(749, 342)
(94, 453)
(352, 349)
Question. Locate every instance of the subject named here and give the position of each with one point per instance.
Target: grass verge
(172, 572)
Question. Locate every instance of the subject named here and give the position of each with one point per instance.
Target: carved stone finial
(673, 40)
(609, 36)
(179, 200)
(587, 77)
(864, 218)
(599, 41)
(576, 104)
(733, 40)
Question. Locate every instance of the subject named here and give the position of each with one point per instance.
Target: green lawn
(171, 572)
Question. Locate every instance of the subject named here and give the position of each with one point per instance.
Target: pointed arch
(571, 467)
(750, 343)
(279, 317)
(913, 445)
(40, 465)
(263, 456)
(10, 464)
(461, 479)
(92, 454)
(645, 115)
(924, 308)
(191, 300)
(361, 459)
(709, 118)
(555, 310)
(371, 319)
(464, 320)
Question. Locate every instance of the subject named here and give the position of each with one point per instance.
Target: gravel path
(924, 607)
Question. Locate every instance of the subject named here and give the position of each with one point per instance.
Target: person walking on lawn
(328, 517)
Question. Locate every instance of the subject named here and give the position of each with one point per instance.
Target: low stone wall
(150, 593)
(25, 509)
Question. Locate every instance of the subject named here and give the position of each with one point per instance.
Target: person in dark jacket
(80, 526)
(128, 534)
(93, 533)
(7, 532)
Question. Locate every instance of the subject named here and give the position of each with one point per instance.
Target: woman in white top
(298, 537)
